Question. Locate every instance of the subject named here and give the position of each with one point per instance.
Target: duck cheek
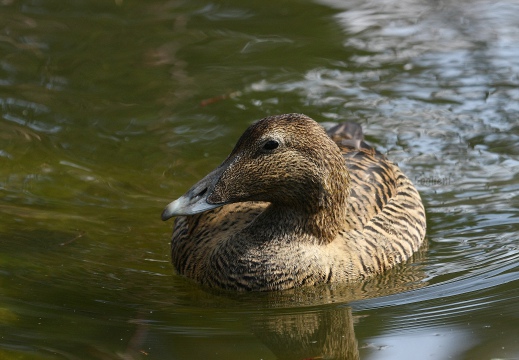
(219, 195)
(229, 192)
(223, 193)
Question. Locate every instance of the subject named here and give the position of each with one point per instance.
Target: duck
(295, 205)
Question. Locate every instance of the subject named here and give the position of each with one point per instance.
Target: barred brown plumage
(291, 207)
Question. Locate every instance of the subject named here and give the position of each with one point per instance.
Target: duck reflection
(318, 334)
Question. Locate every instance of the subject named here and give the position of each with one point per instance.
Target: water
(112, 109)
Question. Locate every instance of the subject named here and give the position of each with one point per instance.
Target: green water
(111, 109)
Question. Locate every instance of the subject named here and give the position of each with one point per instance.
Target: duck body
(291, 207)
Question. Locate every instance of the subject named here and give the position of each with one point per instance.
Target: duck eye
(270, 145)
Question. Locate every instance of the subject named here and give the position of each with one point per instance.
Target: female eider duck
(294, 206)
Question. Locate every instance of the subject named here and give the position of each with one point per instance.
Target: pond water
(111, 109)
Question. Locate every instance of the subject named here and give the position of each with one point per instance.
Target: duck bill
(195, 200)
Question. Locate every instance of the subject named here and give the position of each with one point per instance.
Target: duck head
(286, 160)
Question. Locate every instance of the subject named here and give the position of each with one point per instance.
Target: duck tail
(348, 134)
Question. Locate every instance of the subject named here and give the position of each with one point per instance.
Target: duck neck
(326, 217)
(318, 217)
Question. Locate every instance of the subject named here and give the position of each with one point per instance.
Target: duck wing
(373, 177)
(387, 217)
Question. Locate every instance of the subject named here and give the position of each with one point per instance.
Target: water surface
(109, 110)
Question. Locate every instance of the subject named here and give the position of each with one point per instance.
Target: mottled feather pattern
(231, 247)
